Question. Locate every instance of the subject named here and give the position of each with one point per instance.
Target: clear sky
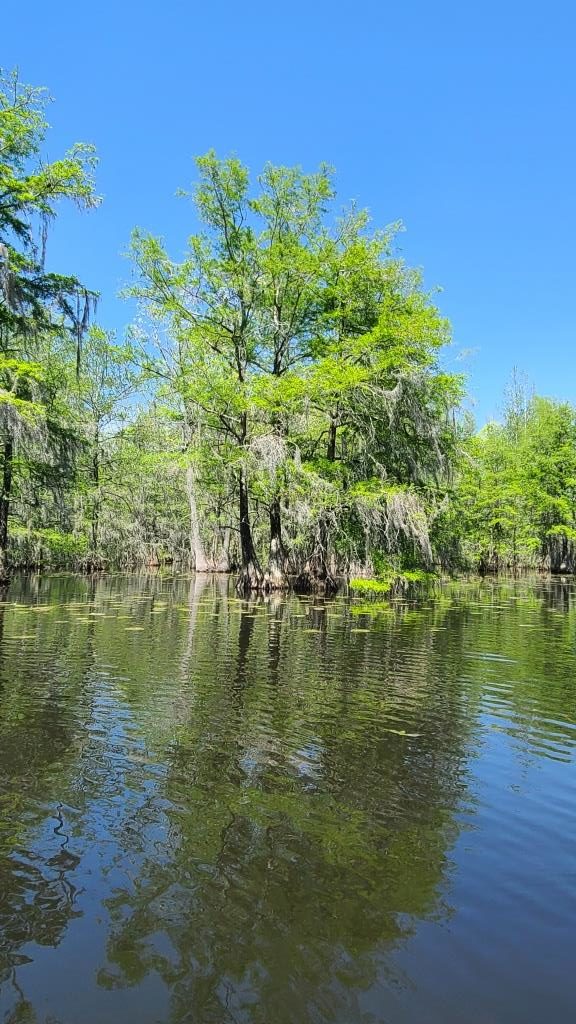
(457, 118)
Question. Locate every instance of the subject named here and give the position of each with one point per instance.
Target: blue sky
(456, 118)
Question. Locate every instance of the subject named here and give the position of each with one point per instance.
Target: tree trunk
(251, 573)
(196, 546)
(225, 560)
(558, 554)
(5, 508)
(331, 450)
(319, 563)
(321, 552)
(96, 503)
(221, 550)
(276, 575)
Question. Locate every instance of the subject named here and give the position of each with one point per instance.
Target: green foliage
(279, 407)
(46, 547)
(40, 312)
(302, 355)
(515, 504)
(371, 586)
(30, 190)
(393, 581)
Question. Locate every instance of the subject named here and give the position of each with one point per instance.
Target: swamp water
(289, 811)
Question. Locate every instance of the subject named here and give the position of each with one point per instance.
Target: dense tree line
(515, 502)
(279, 410)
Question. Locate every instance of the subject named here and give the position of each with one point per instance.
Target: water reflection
(218, 810)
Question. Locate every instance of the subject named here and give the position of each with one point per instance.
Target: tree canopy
(40, 311)
(302, 355)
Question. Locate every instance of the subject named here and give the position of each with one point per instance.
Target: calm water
(286, 812)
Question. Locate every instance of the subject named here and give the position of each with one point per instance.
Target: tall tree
(104, 381)
(33, 302)
(298, 333)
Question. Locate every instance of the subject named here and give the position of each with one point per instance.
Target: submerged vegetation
(279, 409)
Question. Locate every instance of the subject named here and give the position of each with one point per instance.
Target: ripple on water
(285, 810)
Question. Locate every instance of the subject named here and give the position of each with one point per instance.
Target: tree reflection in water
(221, 810)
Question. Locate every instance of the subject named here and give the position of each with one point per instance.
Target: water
(286, 812)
